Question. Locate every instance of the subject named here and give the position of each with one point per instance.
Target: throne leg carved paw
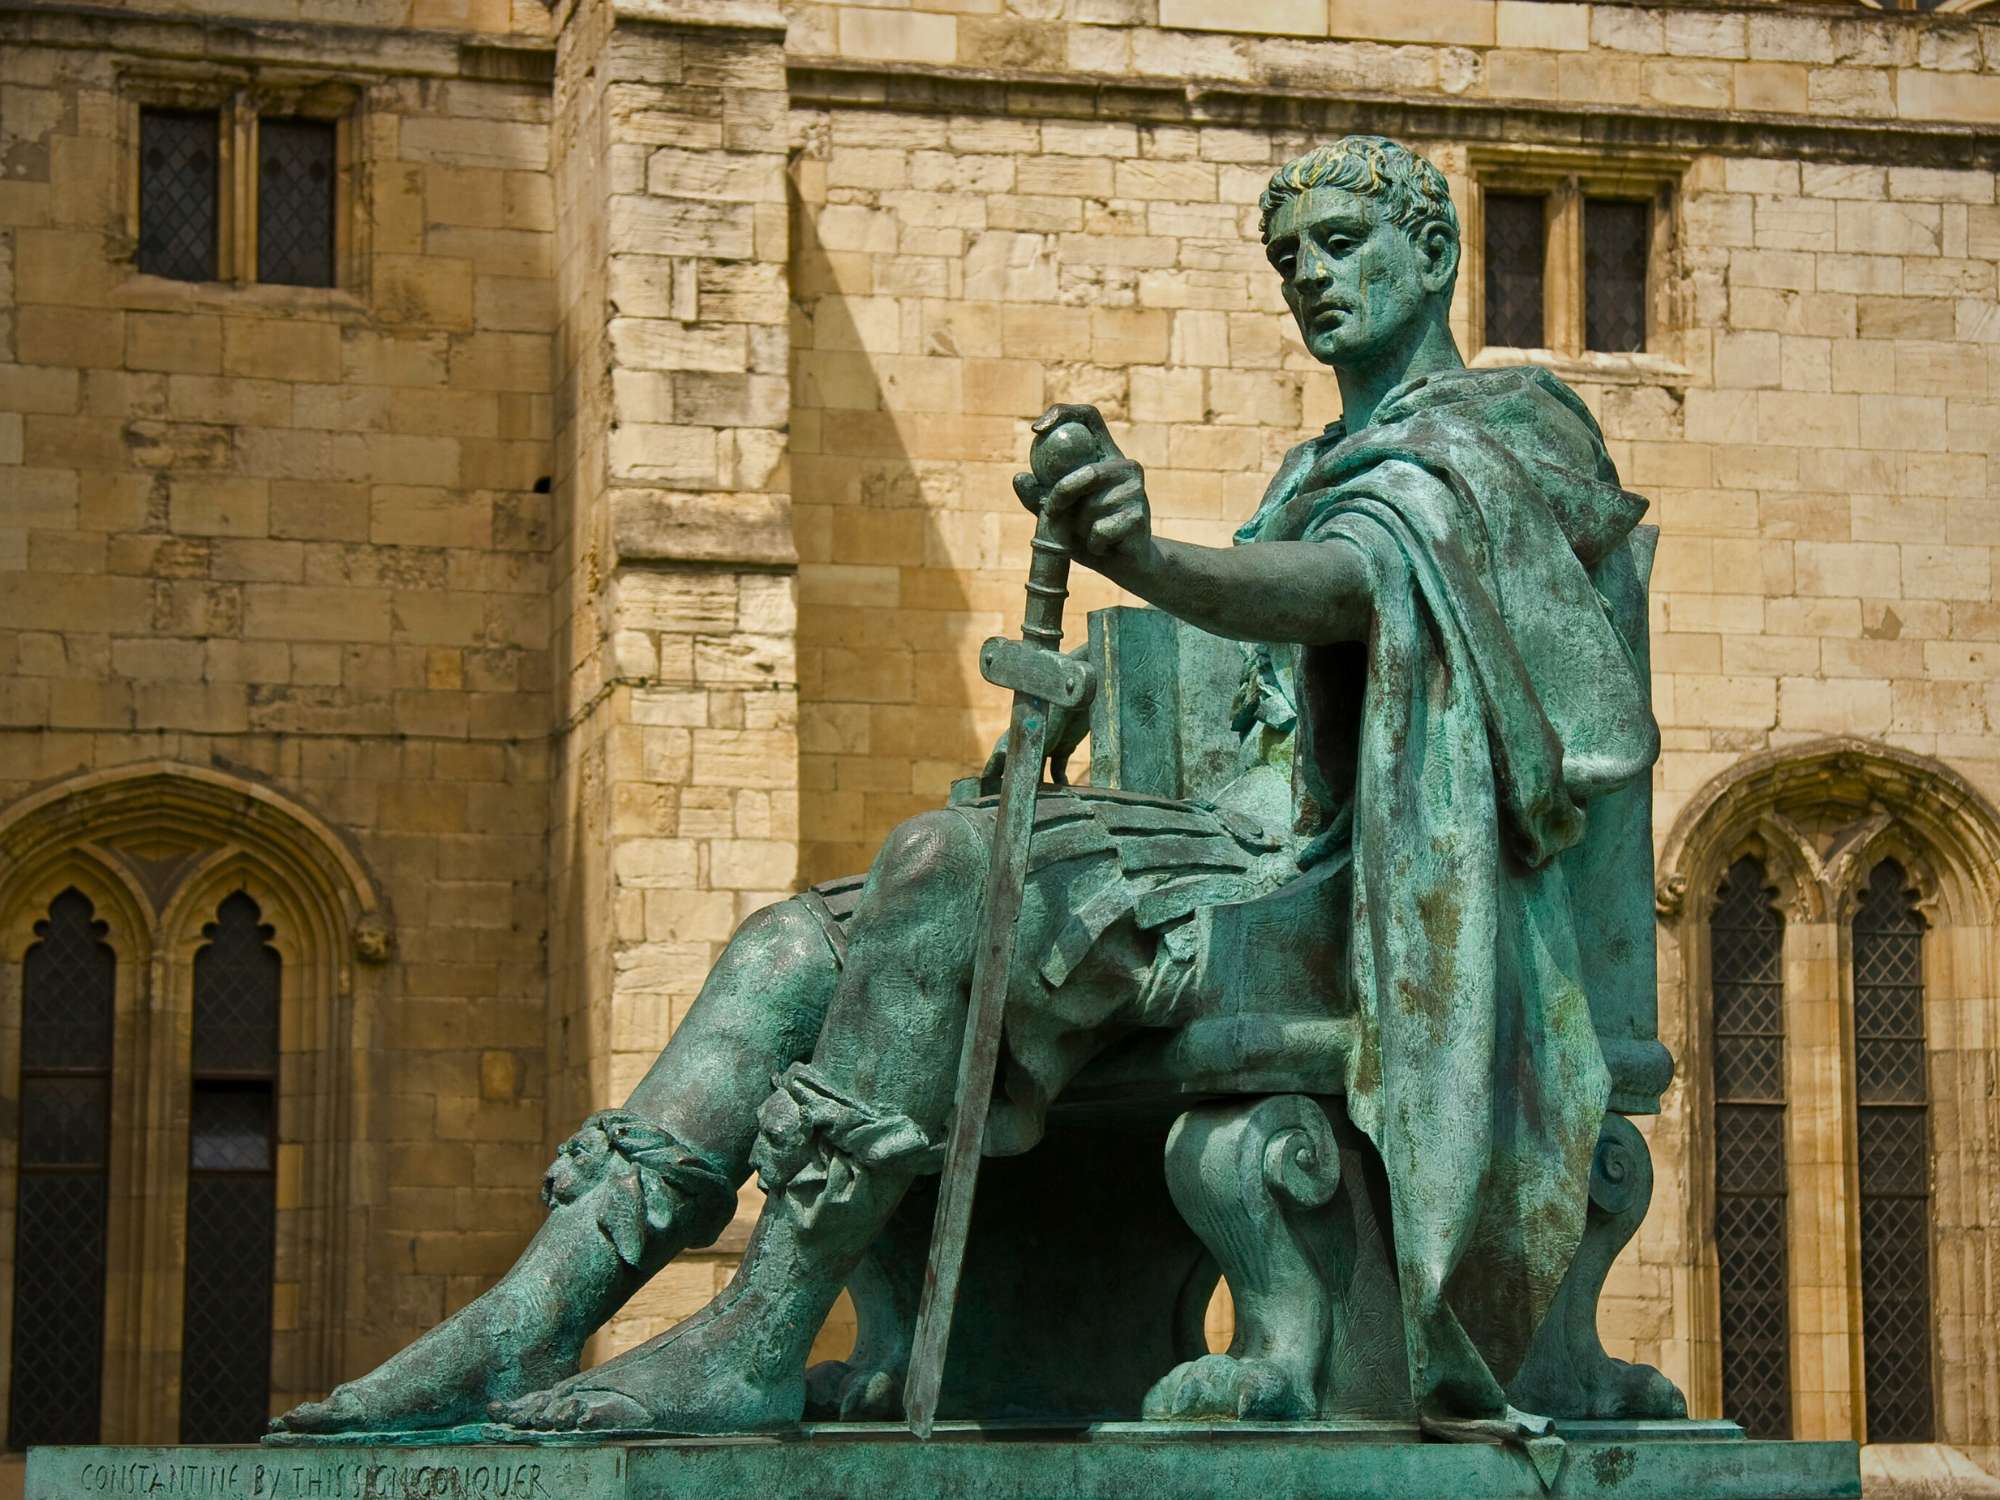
(867, 1386)
(1255, 1183)
(1567, 1373)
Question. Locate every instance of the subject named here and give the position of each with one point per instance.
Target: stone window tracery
(1885, 867)
(224, 934)
(1568, 253)
(242, 181)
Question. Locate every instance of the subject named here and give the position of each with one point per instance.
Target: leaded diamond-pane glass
(64, 1121)
(178, 191)
(1516, 245)
(236, 993)
(226, 1342)
(58, 1309)
(232, 1200)
(1746, 939)
(295, 181)
(69, 979)
(1615, 236)
(1892, 1131)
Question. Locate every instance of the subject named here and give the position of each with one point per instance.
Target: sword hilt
(1063, 448)
(1048, 586)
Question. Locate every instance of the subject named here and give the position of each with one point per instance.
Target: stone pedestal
(1106, 1461)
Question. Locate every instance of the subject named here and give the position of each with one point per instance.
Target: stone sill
(143, 293)
(1590, 368)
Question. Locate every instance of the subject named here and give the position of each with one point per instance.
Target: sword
(1041, 677)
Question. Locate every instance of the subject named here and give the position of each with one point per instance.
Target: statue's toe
(596, 1411)
(340, 1412)
(522, 1411)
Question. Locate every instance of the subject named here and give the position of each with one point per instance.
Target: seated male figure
(1433, 693)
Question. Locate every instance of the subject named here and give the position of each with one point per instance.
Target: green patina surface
(1338, 978)
(1314, 1461)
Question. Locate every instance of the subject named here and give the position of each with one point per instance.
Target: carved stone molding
(156, 846)
(1822, 815)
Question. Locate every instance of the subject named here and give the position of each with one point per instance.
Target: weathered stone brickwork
(608, 554)
(301, 536)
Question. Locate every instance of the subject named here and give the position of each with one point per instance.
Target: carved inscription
(303, 1477)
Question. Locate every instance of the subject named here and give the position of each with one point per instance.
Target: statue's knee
(931, 864)
(786, 937)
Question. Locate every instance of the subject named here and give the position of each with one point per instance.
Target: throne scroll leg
(1567, 1373)
(1255, 1183)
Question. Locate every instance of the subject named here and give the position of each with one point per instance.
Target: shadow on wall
(908, 424)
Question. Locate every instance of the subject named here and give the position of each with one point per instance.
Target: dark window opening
(1615, 241)
(295, 197)
(178, 193)
(68, 989)
(1746, 976)
(232, 1181)
(1892, 1120)
(1516, 253)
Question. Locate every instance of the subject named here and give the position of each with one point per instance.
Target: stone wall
(676, 791)
(301, 536)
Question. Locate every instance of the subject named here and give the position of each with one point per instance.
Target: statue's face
(1354, 281)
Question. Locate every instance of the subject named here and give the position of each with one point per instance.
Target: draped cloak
(1451, 758)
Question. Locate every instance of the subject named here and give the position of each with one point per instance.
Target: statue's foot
(625, 1197)
(837, 1391)
(1218, 1387)
(499, 1346)
(700, 1376)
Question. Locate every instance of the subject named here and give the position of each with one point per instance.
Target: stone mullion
(1686, 1123)
(1819, 1208)
(1960, 1023)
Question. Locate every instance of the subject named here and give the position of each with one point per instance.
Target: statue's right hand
(1092, 496)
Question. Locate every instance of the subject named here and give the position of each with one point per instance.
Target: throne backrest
(1161, 724)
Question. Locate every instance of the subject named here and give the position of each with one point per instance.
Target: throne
(1224, 1150)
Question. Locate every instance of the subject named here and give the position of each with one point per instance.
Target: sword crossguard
(1025, 667)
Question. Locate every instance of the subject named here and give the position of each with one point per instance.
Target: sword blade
(992, 969)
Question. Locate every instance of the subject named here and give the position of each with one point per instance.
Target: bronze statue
(1443, 701)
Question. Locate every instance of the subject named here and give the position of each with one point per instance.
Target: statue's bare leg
(840, 1141)
(630, 1190)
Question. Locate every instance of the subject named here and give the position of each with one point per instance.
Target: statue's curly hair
(1413, 192)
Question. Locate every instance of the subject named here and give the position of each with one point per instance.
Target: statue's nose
(1313, 269)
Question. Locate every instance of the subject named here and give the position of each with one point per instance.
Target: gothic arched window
(232, 1182)
(1892, 1130)
(1747, 967)
(68, 990)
